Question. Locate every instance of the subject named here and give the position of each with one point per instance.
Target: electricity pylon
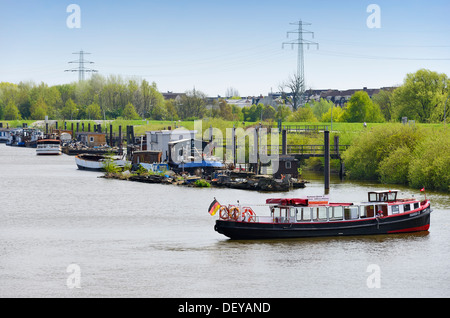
(300, 42)
(81, 69)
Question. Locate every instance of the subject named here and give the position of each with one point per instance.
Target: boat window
(362, 212)
(350, 212)
(336, 213)
(314, 213)
(394, 209)
(322, 213)
(406, 207)
(392, 196)
(416, 205)
(373, 197)
(304, 214)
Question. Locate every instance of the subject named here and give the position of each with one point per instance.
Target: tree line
(421, 97)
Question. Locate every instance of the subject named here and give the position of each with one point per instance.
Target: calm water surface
(142, 240)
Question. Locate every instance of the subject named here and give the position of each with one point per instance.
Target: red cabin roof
(285, 201)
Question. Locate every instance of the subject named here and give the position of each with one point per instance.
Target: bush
(430, 162)
(394, 168)
(395, 153)
(110, 167)
(202, 183)
(371, 148)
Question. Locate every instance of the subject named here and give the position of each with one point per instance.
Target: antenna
(81, 68)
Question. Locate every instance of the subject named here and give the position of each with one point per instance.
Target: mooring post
(111, 136)
(233, 142)
(120, 140)
(284, 142)
(327, 160)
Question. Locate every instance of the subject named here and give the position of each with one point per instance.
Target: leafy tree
(269, 112)
(321, 107)
(129, 112)
(171, 109)
(237, 113)
(159, 111)
(192, 105)
(70, 110)
(421, 97)
(283, 112)
(338, 113)
(11, 111)
(66, 92)
(225, 110)
(38, 109)
(384, 100)
(360, 108)
(304, 114)
(93, 111)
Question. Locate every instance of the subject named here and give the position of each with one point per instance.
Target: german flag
(214, 207)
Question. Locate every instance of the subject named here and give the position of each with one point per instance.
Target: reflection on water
(149, 240)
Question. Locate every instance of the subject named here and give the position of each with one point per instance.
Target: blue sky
(217, 44)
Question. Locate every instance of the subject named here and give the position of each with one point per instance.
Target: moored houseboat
(383, 213)
(48, 147)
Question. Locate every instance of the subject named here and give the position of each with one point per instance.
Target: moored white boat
(48, 147)
(96, 162)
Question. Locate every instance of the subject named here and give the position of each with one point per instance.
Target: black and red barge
(383, 213)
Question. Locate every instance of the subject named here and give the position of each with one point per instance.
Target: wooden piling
(111, 135)
(284, 142)
(327, 159)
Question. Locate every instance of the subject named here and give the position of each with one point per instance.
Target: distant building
(172, 95)
(91, 139)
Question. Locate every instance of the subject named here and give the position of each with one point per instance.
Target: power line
(81, 68)
(373, 57)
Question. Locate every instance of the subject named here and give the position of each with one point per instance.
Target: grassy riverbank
(415, 155)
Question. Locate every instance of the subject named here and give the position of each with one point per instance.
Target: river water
(68, 233)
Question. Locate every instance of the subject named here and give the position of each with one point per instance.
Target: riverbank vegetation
(402, 154)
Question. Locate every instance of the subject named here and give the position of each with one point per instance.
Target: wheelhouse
(383, 196)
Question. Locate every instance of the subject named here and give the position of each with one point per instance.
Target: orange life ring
(234, 213)
(224, 213)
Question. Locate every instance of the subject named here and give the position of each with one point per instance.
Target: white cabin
(158, 140)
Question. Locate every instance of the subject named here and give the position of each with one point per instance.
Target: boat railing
(289, 214)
